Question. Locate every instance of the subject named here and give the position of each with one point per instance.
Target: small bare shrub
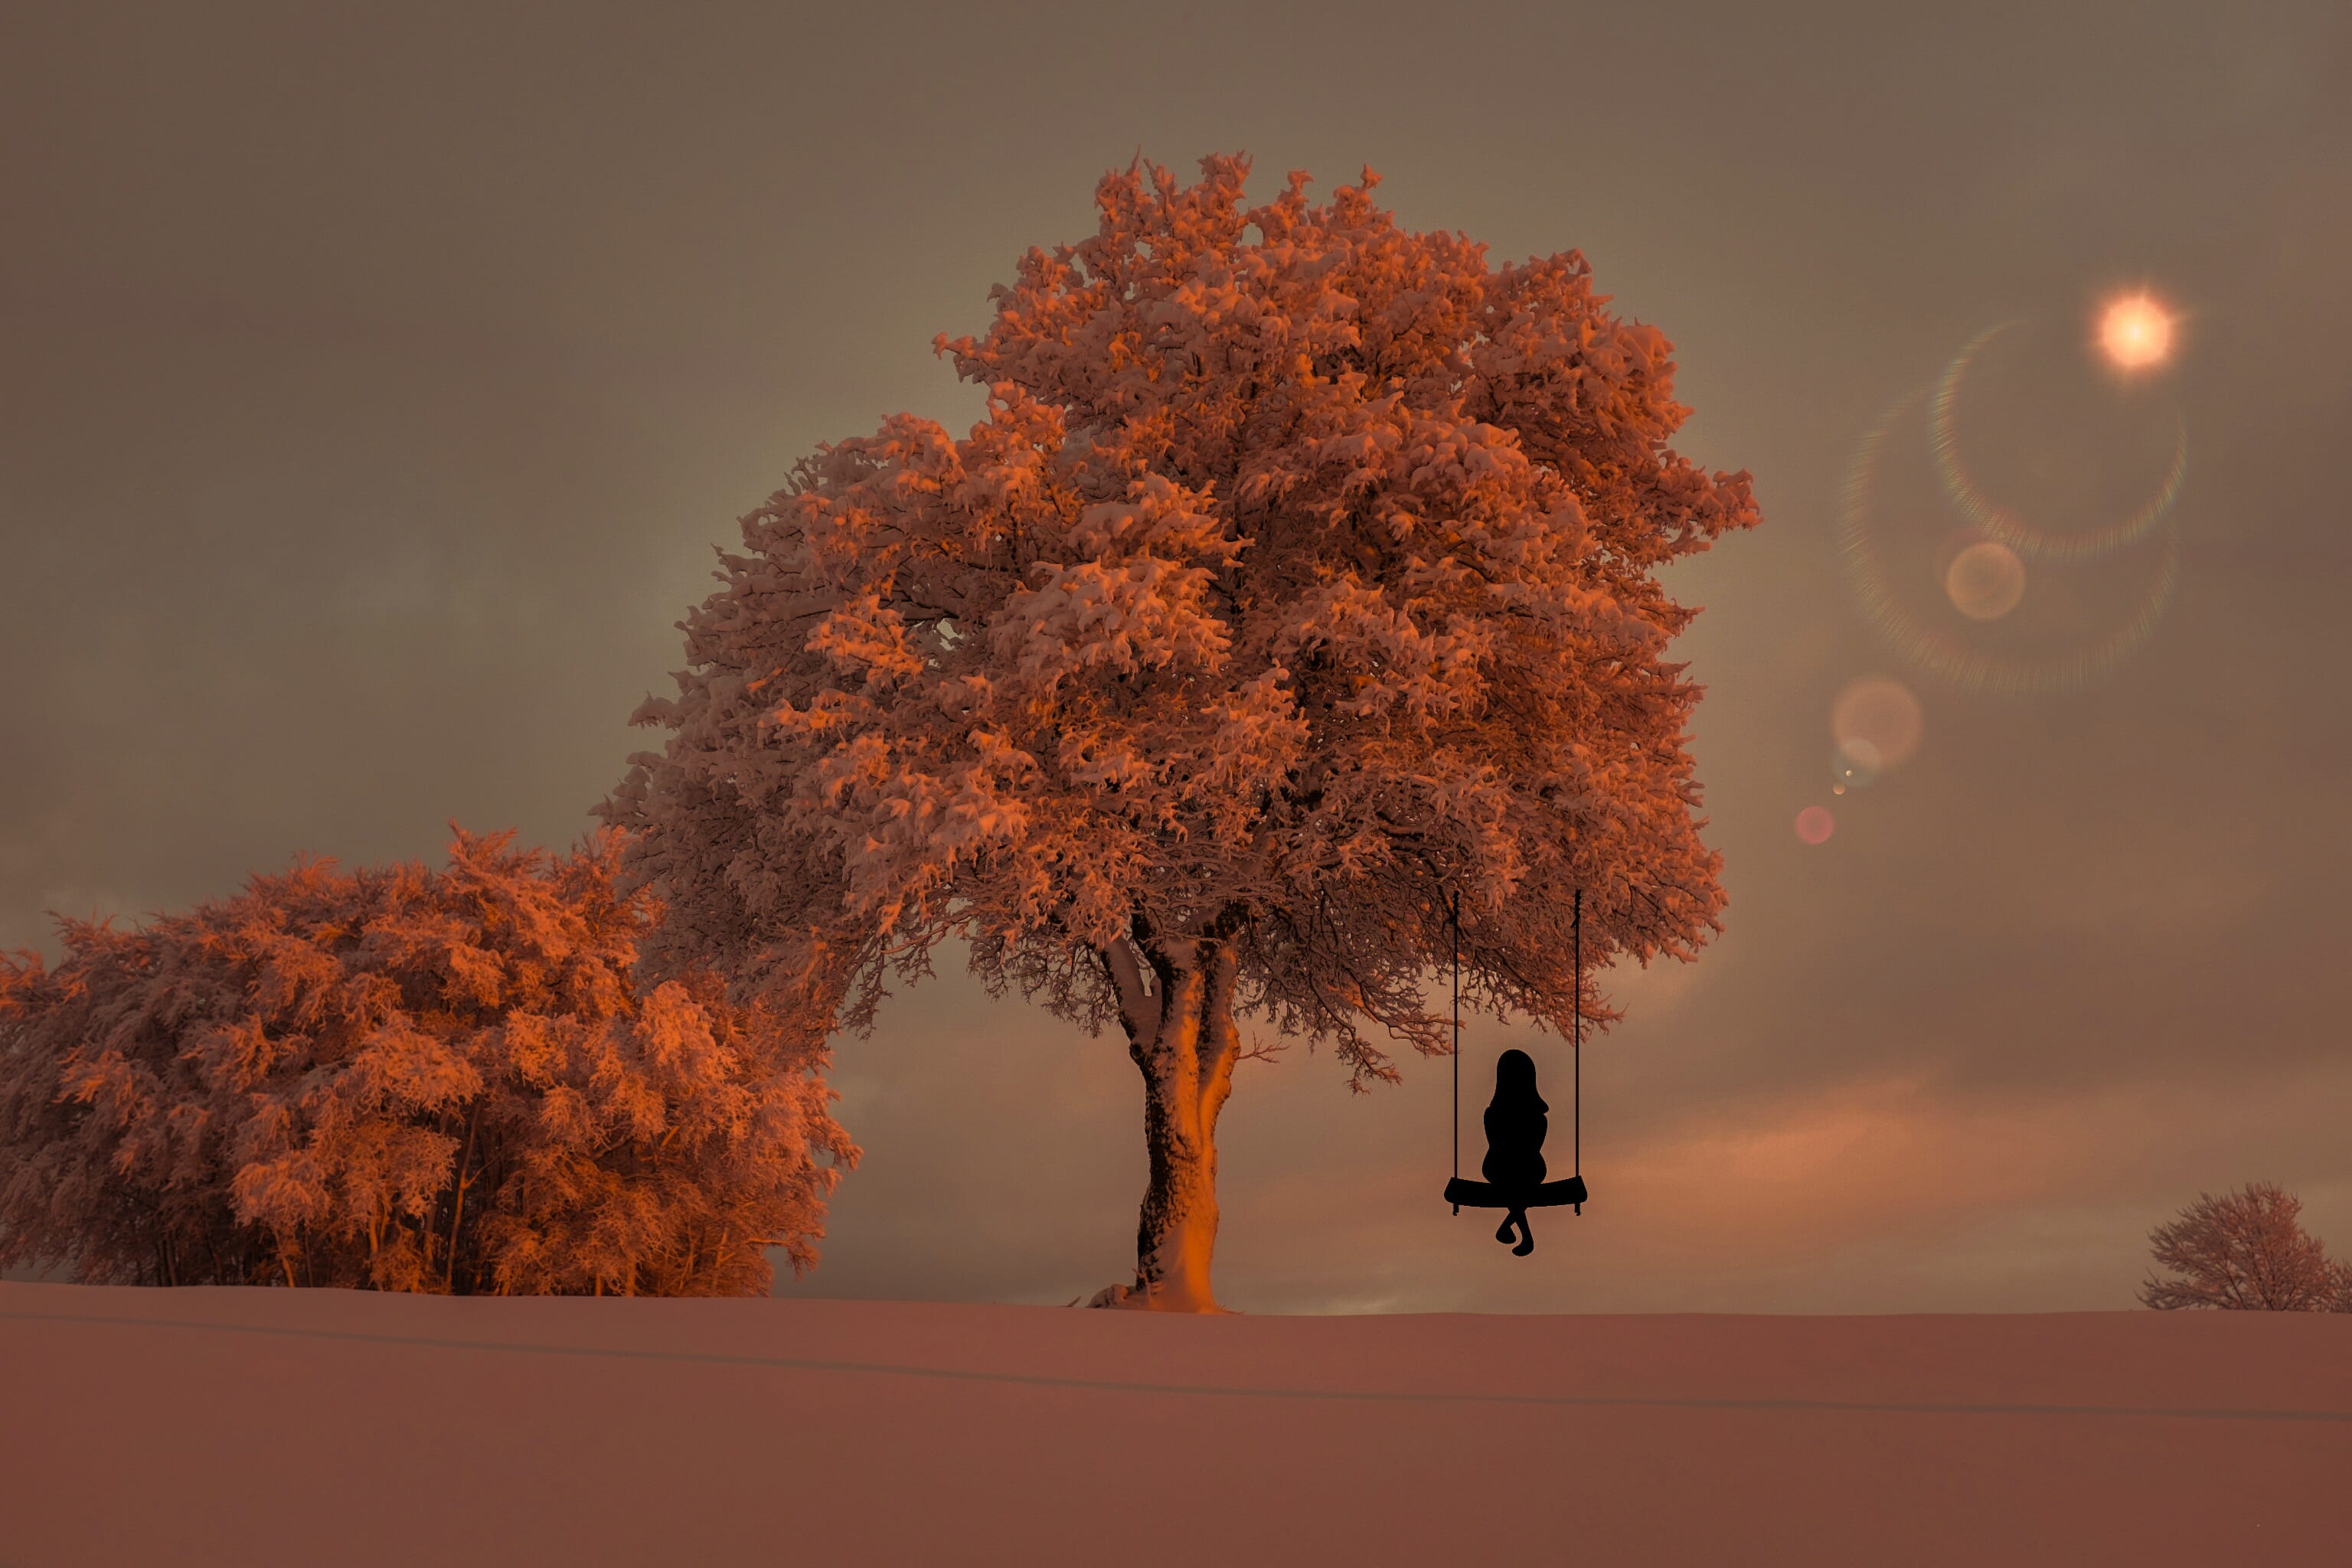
(2245, 1251)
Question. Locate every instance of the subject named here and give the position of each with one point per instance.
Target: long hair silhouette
(1516, 1124)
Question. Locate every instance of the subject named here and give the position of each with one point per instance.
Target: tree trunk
(457, 1208)
(1183, 1040)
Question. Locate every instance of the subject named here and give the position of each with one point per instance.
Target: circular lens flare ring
(1946, 657)
(2003, 523)
(1814, 824)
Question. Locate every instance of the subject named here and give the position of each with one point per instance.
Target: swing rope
(1453, 919)
(1576, 1038)
(1576, 1054)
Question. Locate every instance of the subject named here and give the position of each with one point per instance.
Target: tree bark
(457, 1208)
(1183, 1040)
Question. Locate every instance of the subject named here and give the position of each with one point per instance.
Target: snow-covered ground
(320, 1427)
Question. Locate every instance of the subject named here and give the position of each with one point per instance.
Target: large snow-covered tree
(406, 1080)
(1299, 577)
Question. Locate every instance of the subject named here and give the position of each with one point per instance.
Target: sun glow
(2136, 333)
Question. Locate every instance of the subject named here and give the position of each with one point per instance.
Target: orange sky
(372, 390)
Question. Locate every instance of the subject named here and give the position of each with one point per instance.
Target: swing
(1547, 1194)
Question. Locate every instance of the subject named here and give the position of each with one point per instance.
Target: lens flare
(1814, 824)
(1877, 722)
(1947, 657)
(2003, 523)
(1856, 753)
(1985, 581)
(2136, 333)
(1854, 766)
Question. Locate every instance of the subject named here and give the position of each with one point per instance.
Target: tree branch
(1136, 1007)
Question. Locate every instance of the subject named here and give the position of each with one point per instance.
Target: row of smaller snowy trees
(2245, 1251)
(406, 1080)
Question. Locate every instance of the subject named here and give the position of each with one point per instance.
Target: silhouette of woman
(1515, 1136)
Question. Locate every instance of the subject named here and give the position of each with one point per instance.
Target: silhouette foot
(1506, 1232)
(1525, 1245)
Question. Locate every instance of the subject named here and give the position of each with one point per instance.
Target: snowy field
(320, 1427)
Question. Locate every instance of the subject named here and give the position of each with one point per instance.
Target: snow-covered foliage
(1299, 577)
(408, 1079)
(2245, 1251)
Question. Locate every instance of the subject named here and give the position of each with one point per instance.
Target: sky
(375, 384)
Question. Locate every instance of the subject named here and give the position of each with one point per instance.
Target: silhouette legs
(1515, 1223)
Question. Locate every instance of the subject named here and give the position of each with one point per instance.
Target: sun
(2136, 333)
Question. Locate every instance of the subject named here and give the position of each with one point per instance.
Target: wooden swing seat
(1465, 1194)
